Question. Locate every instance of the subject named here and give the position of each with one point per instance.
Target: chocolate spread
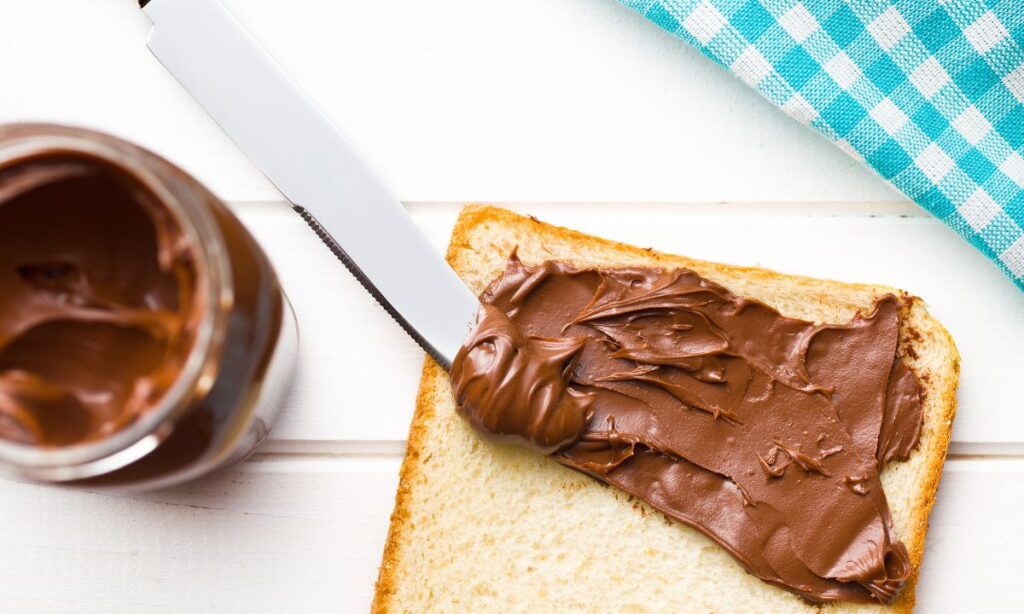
(97, 301)
(767, 433)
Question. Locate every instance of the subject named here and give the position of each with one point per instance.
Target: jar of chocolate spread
(144, 336)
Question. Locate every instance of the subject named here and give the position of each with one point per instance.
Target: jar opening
(114, 314)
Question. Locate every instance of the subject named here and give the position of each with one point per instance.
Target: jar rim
(214, 296)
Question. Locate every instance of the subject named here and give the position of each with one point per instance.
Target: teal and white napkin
(929, 93)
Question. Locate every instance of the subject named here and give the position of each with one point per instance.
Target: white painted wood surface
(304, 534)
(456, 100)
(552, 106)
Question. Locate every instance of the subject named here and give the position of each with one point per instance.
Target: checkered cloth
(929, 93)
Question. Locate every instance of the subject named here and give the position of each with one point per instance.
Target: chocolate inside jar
(99, 306)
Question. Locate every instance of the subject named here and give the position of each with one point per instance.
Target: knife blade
(315, 167)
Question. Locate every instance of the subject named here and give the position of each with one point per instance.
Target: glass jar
(236, 360)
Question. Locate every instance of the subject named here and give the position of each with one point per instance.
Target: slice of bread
(481, 527)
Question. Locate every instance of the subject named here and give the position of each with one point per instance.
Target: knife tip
(143, 3)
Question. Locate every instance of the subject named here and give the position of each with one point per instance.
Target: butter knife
(315, 167)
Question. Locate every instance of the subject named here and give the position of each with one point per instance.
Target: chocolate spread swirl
(529, 402)
(97, 301)
(767, 433)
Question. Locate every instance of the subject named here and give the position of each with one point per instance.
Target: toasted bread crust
(511, 230)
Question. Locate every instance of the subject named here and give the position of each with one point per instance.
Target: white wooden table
(576, 111)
